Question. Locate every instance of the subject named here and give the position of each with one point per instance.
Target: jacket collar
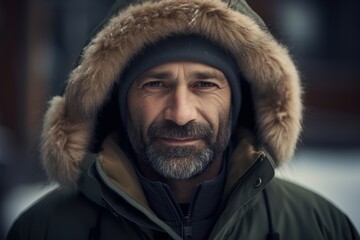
(117, 169)
(243, 191)
(112, 175)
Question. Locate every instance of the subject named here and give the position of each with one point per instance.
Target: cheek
(143, 112)
(216, 108)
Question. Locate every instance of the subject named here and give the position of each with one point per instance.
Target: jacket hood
(71, 120)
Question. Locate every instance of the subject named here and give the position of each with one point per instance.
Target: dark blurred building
(324, 38)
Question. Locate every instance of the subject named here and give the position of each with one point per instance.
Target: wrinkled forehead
(190, 69)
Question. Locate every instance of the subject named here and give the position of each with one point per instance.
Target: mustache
(169, 129)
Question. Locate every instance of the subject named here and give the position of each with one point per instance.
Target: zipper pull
(187, 229)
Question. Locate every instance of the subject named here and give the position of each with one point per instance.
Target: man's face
(180, 118)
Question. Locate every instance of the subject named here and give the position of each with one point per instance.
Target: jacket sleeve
(26, 227)
(352, 233)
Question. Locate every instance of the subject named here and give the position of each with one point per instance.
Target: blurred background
(41, 39)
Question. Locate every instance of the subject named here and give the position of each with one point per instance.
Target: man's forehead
(192, 69)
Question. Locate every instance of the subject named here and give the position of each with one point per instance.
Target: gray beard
(180, 162)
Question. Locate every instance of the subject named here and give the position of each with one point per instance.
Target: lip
(179, 141)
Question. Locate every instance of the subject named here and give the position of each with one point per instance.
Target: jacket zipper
(187, 228)
(186, 220)
(187, 225)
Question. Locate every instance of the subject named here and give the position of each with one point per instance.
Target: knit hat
(182, 48)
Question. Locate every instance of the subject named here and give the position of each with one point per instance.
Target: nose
(181, 107)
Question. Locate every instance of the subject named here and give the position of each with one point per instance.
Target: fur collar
(265, 64)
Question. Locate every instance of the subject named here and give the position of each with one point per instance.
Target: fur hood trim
(264, 63)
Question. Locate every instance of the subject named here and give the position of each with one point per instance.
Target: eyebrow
(156, 75)
(208, 75)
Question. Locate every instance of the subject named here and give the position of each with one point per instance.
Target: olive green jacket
(109, 204)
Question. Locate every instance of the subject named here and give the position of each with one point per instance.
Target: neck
(183, 190)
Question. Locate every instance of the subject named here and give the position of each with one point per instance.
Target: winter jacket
(85, 150)
(109, 205)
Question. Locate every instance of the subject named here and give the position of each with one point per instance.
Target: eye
(154, 84)
(204, 84)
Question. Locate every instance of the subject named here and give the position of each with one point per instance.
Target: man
(170, 128)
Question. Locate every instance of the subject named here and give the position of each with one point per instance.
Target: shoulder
(292, 193)
(295, 198)
(297, 206)
(58, 208)
(58, 202)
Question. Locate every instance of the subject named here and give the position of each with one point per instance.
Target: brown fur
(263, 62)
(64, 144)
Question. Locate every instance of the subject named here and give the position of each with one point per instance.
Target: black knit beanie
(181, 48)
